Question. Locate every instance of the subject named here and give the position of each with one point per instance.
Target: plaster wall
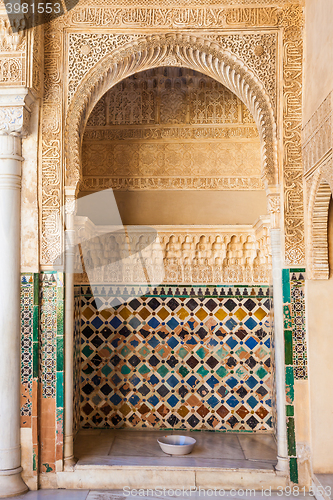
(318, 66)
(319, 298)
(177, 207)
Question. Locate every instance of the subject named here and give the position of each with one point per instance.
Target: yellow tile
(220, 314)
(163, 313)
(260, 314)
(125, 313)
(125, 409)
(240, 314)
(105, 313)
(87, 313)
(201, 314)
(182, 313)
(144, 313)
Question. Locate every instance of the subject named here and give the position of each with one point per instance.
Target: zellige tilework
(190, 359)
(30, 359)
(293, 281)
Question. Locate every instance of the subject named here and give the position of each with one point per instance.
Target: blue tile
(251, 343)
(115, 399)
(173, 401)
(232, 382)
(173, 342)
(134, 400)
(115, 322)
(172, 323)
(192, 381)
(212, 381)
(231, 342)
(97, 322)
(153, 400)
(153, 342)
(230, 324)
(134, 380)
(153, 380)
(213, 401)
(251, 382)
(250, 323)
(232, 401)
(172, 381)
(153, 323)
(252, 402)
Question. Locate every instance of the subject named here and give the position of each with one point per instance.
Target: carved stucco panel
(257, 51)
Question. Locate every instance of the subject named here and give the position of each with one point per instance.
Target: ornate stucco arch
(319, 199)
(185, 50)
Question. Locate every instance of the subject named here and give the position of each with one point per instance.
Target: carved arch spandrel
(319, 200)
(188, 51)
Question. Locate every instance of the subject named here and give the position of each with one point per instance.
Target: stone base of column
(69, 463)
(11, 483)
(282, 464)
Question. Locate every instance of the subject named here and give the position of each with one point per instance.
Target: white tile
(258, 446)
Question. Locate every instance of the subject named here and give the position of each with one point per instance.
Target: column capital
(274, 204)
(15, 109)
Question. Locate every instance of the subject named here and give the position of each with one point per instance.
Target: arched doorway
(260, 107)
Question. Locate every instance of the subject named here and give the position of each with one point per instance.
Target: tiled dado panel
(51, 369)
(195, 358)
(295, 350)
(76, 360)
(29, 358)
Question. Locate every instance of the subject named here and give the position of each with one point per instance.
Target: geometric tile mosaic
(48, 334)
(293, 283)
(297, 287)
(180, 360)
(76, 361)
(27, 303)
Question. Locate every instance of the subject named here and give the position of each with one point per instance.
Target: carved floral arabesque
(292, 128)
(12, 55)
(258, 51)
(171, 159)
(238, 254)
(51, 171)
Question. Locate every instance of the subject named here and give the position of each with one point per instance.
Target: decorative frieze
(163, 254)
(175, 18)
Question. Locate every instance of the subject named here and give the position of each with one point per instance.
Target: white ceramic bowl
(176, 445)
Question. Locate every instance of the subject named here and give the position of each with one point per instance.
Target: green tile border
(289, 369)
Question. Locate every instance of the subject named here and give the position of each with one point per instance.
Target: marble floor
(119, 495)
(140, 448)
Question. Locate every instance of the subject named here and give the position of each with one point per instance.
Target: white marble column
(11, 127)
(280, 384)
(69, 459)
